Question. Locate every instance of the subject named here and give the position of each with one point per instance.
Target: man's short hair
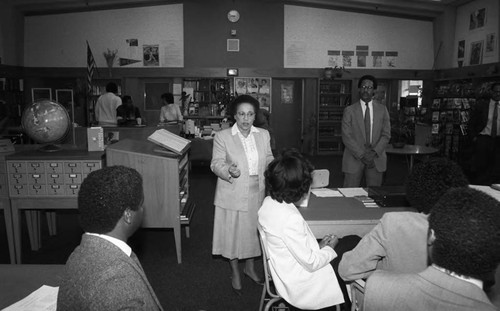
(288, 176)
(105, 194)
(111, 87)
(466, 223)
(243, 99)
(368, 77)
(429, 180)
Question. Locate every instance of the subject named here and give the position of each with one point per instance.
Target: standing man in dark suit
(366, 131)
(485, 128)
(103, 273)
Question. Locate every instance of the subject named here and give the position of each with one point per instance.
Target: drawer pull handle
(72, 175)
(54, 175)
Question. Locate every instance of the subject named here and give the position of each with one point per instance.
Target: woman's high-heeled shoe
(256, 281)
(237, 291)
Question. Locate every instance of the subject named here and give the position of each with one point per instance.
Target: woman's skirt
(235, 232)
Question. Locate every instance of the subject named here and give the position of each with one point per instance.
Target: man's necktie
(494, 122)
(367, 125)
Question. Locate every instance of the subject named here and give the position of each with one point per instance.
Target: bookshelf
(209, 99)
(334, 96)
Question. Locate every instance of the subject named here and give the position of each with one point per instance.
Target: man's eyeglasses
(248, 114)
(366, 87)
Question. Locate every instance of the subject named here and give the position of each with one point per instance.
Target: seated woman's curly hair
(430, 179)
(466, 224)
(105, 194)
(288, 177)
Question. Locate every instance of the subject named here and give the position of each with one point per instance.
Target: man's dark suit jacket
(100, 276)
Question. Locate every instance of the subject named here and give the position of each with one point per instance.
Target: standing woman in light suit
(240, 157)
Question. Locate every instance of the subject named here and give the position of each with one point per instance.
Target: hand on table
(331, 240)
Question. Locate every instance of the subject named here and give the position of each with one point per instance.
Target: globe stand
(50, 148)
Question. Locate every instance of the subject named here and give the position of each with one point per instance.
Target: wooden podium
(166, 184)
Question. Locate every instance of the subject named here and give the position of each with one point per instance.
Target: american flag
(91, 65)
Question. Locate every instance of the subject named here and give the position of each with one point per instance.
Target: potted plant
(400, 130)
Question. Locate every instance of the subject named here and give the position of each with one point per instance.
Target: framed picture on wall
(477, 19)
(152, 94)
(41, 93)
(476, 53)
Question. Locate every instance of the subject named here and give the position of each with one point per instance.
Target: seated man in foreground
(463, 243)
(103, 273)
(397, 243)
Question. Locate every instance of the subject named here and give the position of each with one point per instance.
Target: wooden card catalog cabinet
(166, 183)
(60, 174)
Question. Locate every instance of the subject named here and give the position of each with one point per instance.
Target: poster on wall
(334, 59)
(461, 53)
(377, 58)
(258, 87)
(477, 19)
(476, 53)
(41, 93)
(287, 93)
(390, 58)
(151, 55)
(347, 58)
(491, 43)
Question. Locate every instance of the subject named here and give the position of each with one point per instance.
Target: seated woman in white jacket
(300, 267)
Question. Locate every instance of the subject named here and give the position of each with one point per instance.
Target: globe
(46, 122)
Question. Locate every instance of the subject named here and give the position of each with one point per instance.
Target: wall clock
(233, 16)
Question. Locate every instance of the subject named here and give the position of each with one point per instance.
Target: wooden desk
(18, 281)
(411, 151)
(166, 184)
(342, 216)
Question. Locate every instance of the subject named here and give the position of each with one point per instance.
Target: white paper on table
(488, 190)
(325, 192)
(353, 192)
(44, 298)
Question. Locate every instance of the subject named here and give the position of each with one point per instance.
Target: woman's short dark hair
(111, 87)
(243, 99)
(288, 177)
(168, 97)
(467, 230)
(105, 194)
(368, 77)
(429, 180)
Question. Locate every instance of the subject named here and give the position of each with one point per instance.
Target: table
(411, 151)
(342, 216)
(18, 281)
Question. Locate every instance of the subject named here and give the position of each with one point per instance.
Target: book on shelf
(170, 141)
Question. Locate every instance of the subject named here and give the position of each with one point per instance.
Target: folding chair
(357, 294)
(269, 295)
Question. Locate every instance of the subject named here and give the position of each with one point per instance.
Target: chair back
(357, 294)
(320, 178)
(269, 293)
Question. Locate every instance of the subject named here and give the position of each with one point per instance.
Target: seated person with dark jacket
(463, 243)
(397, 243)
(103, 273)
(127, 114)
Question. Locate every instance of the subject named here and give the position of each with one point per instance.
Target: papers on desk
(353, 192)
(325, 193)
(44, 298)
(488, 190)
